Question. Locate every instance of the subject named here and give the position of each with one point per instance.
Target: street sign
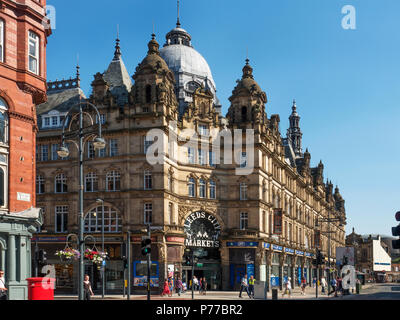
(199, 265)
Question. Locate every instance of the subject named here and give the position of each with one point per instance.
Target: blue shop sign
(309, 254)
(250, 270)
(276, 247)
(300, 253)
(242, 244)
(267, 245)
(289, 250)
(274, 281)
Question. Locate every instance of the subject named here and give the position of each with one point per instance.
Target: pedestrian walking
(333, 285)
(170, 286)
(204, 286)
(200, 285)
(323, 284)
(288, 288)
(88, 292)
(303, 285)
(251, 286)
(3, 289)
(195, 283)
(339, 286)
(244, 286)
(165, 289)
(314, 282)
(179, 286)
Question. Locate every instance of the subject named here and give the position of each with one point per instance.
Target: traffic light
(187, 261)
(125, 263)
(396, 232)
(146, 246)
(42, 256)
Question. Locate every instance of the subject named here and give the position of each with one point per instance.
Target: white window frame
(191, 187)
(62, 179)
(147, 180)
(113, 177)
(202, 188)
(148, 213)
(91, 150)
(63, 212)
(203, 130)
(243, 191)
(92, 178)
(33, 38)
(113, 147)
(93, 220)
(44, 147)
(191, 153)
(40, 181)
(202, 157)
(54, 149)
(244, 221)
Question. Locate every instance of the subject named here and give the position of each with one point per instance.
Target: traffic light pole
(148, 265)
(128, 257)
(316, 273)
(192, 274)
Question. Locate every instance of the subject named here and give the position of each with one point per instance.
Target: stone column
(23, 267)
(225, 272)
(281, 261)
(260, 265)
(11, 259)
(267, 269)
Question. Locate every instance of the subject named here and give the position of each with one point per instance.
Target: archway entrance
(202, 237)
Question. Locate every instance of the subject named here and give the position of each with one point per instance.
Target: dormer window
(52, 121)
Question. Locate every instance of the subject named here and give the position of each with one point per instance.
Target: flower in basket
(95, 256)
(68, 254)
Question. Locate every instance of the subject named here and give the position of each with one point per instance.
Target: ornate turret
(247, 100)
(294, 133)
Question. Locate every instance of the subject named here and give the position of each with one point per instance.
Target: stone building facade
(23, 38)
(262, 223)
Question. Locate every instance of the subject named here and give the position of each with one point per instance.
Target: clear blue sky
(346, 82)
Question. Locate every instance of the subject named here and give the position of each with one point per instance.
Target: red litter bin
(41, 288)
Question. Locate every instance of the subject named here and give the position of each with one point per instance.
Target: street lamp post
(63, 152)
(103, 266)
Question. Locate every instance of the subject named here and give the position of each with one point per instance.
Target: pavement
(234, 295)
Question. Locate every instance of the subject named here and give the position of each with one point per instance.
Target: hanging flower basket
(68, 254)
(95, 256)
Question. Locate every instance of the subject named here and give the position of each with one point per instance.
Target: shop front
(276, 270)
(202, 231)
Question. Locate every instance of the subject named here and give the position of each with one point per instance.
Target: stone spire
(294, 133)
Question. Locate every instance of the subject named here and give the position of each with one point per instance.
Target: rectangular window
(113, 147)
(102, 118)
(243, 191)
(54, 121)
(54, 149)
(212, 190)
(202, 160)
(147, 143)
(44, 152)
(148, 181)
(211, 159)
(33, 52)
(148, 213)
(91, 150)
(61, 219)
(244, 221)
(40, 184)
(46, 122)
(203, 130)
(1, 41)
(171, 213)
(190, 155)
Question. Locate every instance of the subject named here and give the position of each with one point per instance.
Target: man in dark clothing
(244, 286)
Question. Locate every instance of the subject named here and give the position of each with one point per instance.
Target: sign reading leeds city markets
(202, 230)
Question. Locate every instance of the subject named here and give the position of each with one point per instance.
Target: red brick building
(23, 39)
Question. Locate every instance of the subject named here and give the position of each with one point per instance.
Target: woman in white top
(288, 287)
(3, 289)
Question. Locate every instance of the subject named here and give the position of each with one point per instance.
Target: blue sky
(346, 82)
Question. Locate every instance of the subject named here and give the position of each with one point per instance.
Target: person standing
(3, 289)
(303, 286)
(333, 284)
(200, 285)
(314, 282)
(244, 286)
(251, 286)
(88, 288)
(288, 288)
(204, 286)
(170, 286)
(323, 284)
(179, 286)
(195, 283)
(165, 289)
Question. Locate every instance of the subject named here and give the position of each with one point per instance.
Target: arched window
(91, 182)
(148, 93)
(94, 219)
(113, 181)
(202, 188)
(244, 113)
(191, 187)
(212, 189)
(61, 183)
(3, 121)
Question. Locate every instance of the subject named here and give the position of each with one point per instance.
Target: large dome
(181, 58)
(190, 69)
